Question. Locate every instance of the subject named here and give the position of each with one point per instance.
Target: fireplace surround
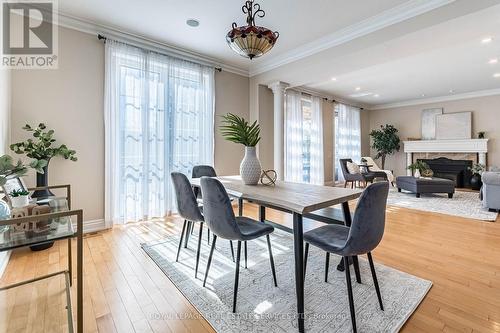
(455, 170)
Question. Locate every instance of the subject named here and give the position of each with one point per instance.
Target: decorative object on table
(475, 180)
(268, 177)
(238, 130)
(418, 168)
(428, 173)
(42, 148)
(385, 141)
(429, 123)
(481, 135)
(451, 126)
(19, 198)
(251, 41)
(36, 226)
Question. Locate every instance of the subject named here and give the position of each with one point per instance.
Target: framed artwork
(12, 184)
(429, 123)
(453, 126)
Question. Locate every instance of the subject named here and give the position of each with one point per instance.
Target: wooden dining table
(300, 200)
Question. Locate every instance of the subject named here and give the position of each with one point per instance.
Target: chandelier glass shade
(251, 41)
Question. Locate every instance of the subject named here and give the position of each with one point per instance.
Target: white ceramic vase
(417, 173)
(20, 201)
(250, 168)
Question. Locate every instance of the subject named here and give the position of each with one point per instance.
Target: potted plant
(9, 169)
(42, 147)
(475, 180)
(385, 141)
(238, 130)
(418, 168)
(481, 135)
(19, 198)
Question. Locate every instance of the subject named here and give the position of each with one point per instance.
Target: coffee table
(425, 185)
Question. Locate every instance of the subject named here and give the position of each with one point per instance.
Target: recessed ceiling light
(193, 23)
(493, 61)
(487, 40)
(334, 79)
(358, 88)
(423, 95)
(496, 75)
(376, 95)
(452, 91)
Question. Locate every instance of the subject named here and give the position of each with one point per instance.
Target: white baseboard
(92, 226)
(330, 183)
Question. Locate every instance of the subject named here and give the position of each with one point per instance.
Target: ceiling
(393, 50)
(298, 21)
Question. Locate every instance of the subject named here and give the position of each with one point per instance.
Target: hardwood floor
(126, 292)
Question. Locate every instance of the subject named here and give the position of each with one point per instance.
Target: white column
(278, 89)
(409, 160)
(482, 158)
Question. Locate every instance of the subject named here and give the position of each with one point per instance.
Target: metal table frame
(68, 273)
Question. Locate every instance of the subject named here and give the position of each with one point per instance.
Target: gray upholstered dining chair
(219, 216)
(362, 237)
(188, 209)
(209, 171)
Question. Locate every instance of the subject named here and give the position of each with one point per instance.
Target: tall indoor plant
(385, 141)
(238, 130)
(42, 146)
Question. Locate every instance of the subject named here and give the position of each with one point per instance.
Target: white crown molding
(89, 27)
(439, 99)
(405, 11)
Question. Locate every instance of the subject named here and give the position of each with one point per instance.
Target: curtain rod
(218, 69)
(313, 93)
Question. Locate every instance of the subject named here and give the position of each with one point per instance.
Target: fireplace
(456, 170)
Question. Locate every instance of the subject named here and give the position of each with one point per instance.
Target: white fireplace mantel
(476, 146)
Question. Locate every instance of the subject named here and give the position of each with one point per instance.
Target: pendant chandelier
(251, 41)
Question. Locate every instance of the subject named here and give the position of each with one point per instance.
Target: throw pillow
(353, 168)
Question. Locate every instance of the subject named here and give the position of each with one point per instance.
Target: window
(159, 119)
(347, 135)
(306, 140)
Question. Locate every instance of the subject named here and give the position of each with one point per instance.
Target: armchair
(354, 177)
(491, 190)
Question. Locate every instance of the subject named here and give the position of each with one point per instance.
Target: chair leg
(375, 280)
(236, 276)
(306, 254)
(352, 185)
(327, 265)
(180, 242)
(246, 254)
(198, 250)
(188, 231)
(356, 268)
(349, 292)
(271, 259)
(208, 236)
(232, 249)
(210, 259)
(345, 184)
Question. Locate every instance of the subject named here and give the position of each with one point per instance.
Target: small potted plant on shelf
(238, 130)
(481, 135)
(475, 180)
(19, 198)
(418, 168)
(42, 147)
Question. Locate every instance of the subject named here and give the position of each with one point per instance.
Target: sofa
(491, 190)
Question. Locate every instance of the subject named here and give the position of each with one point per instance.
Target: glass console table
(58, 226)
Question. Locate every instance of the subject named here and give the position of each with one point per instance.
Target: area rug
(262, 307)
(463, 204)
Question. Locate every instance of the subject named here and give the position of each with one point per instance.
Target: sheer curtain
(158, 118)
(316, 149)
(347, 135)
(293, 137)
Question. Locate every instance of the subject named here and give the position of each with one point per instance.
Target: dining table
(300, 200)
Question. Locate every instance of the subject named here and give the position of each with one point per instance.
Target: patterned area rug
(264, 308)
(463, 204)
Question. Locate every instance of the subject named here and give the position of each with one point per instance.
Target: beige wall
(4, 110)
(266, 122)
(231, 96)
(70, 100)
(485, 117)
